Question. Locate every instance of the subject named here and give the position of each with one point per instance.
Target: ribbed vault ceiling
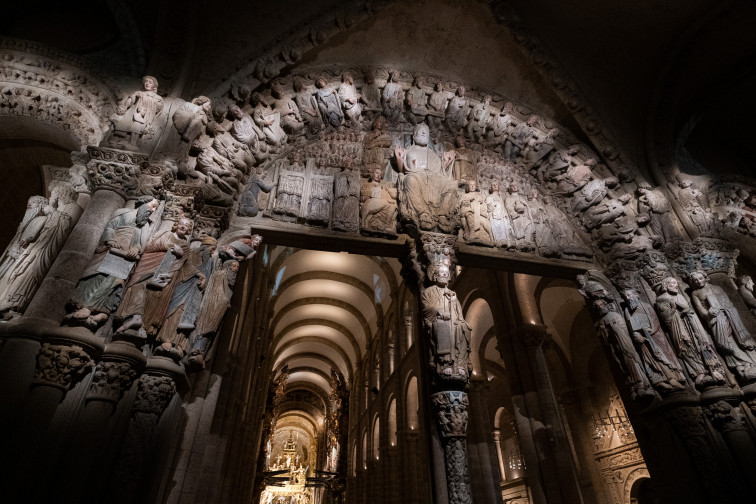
(326, 307)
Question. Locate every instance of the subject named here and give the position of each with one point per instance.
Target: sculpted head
(236, 112)
(145, 206)
(631, 297)
(277, 91)
(495, 186)
(746, 281)
(418, 81)
(376, 175)
(601, 306)
(379, 123)
(183, 227)
(204, 102)
(422, 135)
(514, 187)
(487, 99)
(532, 120)
(299, 85)
(460, 142)
(442, 275)
(394, 75)
(347, 78)
(150, 83)
(472, 186)
(439, 86)
(461, 91)
(698, 279)
(669, 284)
(320, 83)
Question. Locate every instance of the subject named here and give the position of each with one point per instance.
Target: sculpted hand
(399, 152)
(133, 253)
(177, 251)
(121, 110)
(449, 157)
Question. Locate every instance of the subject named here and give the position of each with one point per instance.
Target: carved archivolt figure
(450, 333)
(501, 126)
(307, 106)
(437, 106)
(745, 289)
(659, 361)
(371, 93)
(38, 246)
(654, 204)
(416, 101)
(191, 118)
(161, 259)
(248, 202)
(456, 111)
(428, 192)
(521, 139)
(465, 162)
(688, 196)
(613, 330)
(98, 291)
(688, 336)
(137, 113)
(291, 121)
(328, 103)
(731, 338)
(244, 130)
(393, 99)
(378, 205)
(501, 227)
(480, 115)
(268, 121)
(476, 227)
(350, 100)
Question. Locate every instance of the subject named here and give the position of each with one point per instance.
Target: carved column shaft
(730, 421)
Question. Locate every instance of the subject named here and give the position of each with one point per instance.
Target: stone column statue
(444, 320)
(688, 336)
(99, 289)
(731, 338)
(37, 247)
(612, 328)
(159, 263)
(659, 360)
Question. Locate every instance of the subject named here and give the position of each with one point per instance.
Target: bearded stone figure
(731, 338)
(688, 337)
(99, 289)
(428, 193)
(30, 226)
(614, 332)
(378, 205)
(191, 280)
(659, 361)
(37, 247)
(136, 114)
(161, 259)
(216, 297)
(450, 333)
(473, 211)
(745, 288)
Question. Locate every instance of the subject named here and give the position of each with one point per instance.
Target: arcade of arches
(364, 254)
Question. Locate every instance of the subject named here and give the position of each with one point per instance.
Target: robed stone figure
(450, 333)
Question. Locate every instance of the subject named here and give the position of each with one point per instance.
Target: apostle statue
(217, 297)
(37, 247)
(428, 193)
(328, 103)
(161, 259)
(501, 226)
(99, 289)
(659, 361)
(392, 97)
(346, 203)
(350, 100)
(731, 338)
(613, 330)
(444, 320)
(687, 335)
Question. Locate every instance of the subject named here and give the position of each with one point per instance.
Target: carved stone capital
(726, 417)
(450, 408)
(154, 394)
(707, 254)
(120, 365)
(61, 366)
(115, 170)
(212, 220)
(177, 205)
(688, 421)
